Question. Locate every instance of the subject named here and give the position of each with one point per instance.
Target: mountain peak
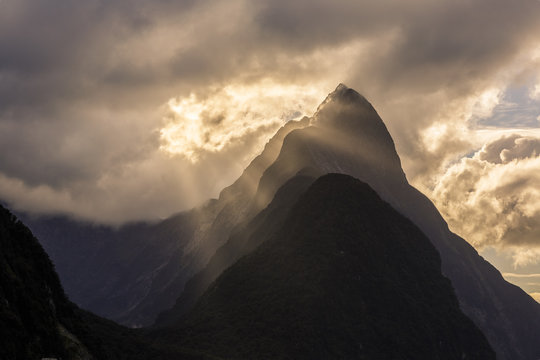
(348, 116)
(341, 87)
(346, 136)
(345, 95)
(346, 109)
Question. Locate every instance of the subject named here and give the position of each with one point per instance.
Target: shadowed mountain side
(143, 272)
(133, 273)
(349, 137)
(345, 276)
(505, 313)
(113, 271)
(245, 239)
(30, 296)
(38, 321)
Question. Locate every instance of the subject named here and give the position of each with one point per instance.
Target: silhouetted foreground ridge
(345, 277)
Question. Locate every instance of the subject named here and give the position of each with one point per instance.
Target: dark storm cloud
(84, 84)
(64, 50)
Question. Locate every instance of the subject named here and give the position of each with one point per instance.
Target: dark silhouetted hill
(38, 321)
(244, 240)
(345, 277)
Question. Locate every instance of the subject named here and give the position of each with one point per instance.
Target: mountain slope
(345, 277)
(133, 273)
(38, 321)
(347, 136)
(241, 242)
(30, 296)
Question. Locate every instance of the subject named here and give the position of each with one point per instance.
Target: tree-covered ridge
(38, 321)
(31, 297)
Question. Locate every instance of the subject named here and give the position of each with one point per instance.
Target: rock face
(344, 277)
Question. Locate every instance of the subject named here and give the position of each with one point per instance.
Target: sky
(115, 111)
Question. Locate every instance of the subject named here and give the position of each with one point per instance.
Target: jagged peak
(346, 110)
(345, 94)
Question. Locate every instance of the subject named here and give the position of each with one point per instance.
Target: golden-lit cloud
(493, 197)
(195, 126)
(132, 110)
(527, 281)
(523, 256)
(535, 92)
(484, 104)
(523, 276)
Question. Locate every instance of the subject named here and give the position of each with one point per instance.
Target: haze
(115, 111)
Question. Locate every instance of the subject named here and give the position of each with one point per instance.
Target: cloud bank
(493, 197)
(115, 111)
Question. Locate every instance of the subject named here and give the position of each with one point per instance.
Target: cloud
(529, 282)
(87, 88)
(510, 148)
(197, 126)
(492, 198)
(527, 276)
(523, 256)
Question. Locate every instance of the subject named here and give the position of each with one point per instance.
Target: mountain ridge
(345, 276)
(346, 135)
(242, 241)
(480, 287)
(132, 273)
(38, 321)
